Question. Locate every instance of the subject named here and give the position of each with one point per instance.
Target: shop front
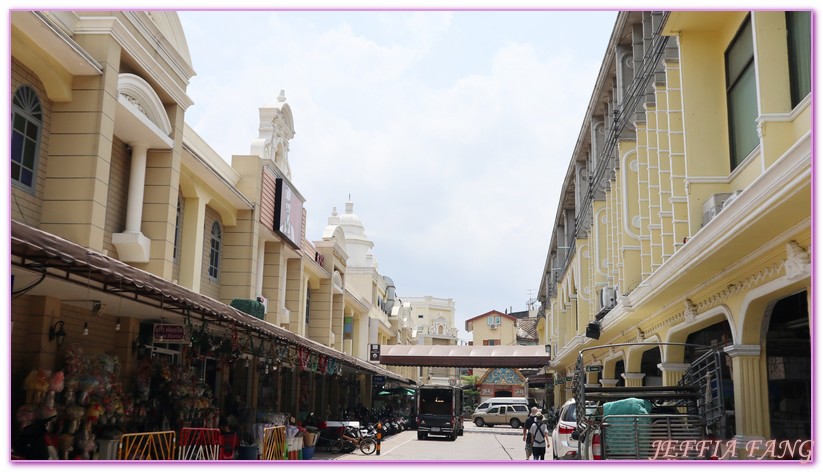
(100, 349)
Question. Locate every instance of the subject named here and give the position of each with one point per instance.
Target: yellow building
(685, 214)
(126, 224)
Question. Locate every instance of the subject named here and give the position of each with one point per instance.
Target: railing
(199, 444)
(158, 446)
(644, 437)
(274, 444)
(634, 93)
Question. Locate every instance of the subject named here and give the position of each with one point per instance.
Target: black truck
(439, 411)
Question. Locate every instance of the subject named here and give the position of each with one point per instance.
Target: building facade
(685, 214)
(434, 326)
(136, 246)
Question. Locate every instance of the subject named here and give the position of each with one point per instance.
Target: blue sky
(451, 130)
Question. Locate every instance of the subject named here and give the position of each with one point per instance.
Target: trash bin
(247, 453)
(308, 452)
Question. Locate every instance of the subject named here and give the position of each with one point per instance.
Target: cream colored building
(434, 326)
(123, 218)
(685, 213)
(374, 291)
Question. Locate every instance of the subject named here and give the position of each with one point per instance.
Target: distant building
(434, 326)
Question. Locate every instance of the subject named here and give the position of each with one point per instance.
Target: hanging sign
(169, 334)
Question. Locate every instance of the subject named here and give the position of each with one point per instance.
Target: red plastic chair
(229, 442)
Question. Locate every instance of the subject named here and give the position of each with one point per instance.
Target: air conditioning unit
(716, 203)
(494, 326)
(731, 198)
(608, 297)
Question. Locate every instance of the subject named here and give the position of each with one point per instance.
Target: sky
(450, 131)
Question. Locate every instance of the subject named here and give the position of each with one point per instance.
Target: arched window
(214, 254)
(27, 122)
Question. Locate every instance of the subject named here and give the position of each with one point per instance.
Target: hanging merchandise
(303, 354)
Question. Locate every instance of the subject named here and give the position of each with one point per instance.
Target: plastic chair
(229, 442)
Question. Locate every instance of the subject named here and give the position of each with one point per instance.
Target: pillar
(672, 372)
(608, 382)
(633, 379)
(750, 399)
(191, 253)
(131, 245)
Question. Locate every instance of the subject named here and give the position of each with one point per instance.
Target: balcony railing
(622, 117)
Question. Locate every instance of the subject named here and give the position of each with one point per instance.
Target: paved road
(499, 443)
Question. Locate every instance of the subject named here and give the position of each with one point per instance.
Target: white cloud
(453, 157)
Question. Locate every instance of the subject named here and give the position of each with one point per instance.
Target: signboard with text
(169, 334)
(374, 352)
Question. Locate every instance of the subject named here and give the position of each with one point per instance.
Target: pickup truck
(439, 411)
(514, 415)
(632, 422)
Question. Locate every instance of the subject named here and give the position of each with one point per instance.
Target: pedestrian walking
(527, 437)
(539, 432)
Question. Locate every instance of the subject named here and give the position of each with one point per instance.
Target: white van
(501, 401)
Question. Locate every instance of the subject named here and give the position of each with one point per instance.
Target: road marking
(385, 452)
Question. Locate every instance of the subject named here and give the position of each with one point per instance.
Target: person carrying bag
(539, 432)
(527, 437)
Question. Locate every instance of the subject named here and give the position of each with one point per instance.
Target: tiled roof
(527, 329)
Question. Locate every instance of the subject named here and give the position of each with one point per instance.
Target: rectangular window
(799, 36)
(741, 95)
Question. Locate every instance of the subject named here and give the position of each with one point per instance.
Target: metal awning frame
(55, 257)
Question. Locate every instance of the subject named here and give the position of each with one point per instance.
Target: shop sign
(374, 352)
(378, 379)
(594, 368)
(169, 334)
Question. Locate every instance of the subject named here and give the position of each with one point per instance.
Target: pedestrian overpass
(520, 357)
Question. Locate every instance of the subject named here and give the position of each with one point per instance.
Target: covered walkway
(465, 356)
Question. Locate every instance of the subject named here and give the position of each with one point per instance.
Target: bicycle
(366, 445)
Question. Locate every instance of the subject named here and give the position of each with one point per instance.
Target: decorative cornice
(633, 375)
(690, 313)
(743, 350)
(673, 367)
(798, 261)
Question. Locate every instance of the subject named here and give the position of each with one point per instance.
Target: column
(750, 398)
(672, 372)
(608, 382)
(558, 395)
(131, 245)
(191, 251)
(591, 379)
(633, 379)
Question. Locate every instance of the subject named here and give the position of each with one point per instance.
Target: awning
(56, 257)
(465, 356)
(539, 379)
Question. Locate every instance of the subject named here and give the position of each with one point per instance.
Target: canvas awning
(465, 356)
(62, 262)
